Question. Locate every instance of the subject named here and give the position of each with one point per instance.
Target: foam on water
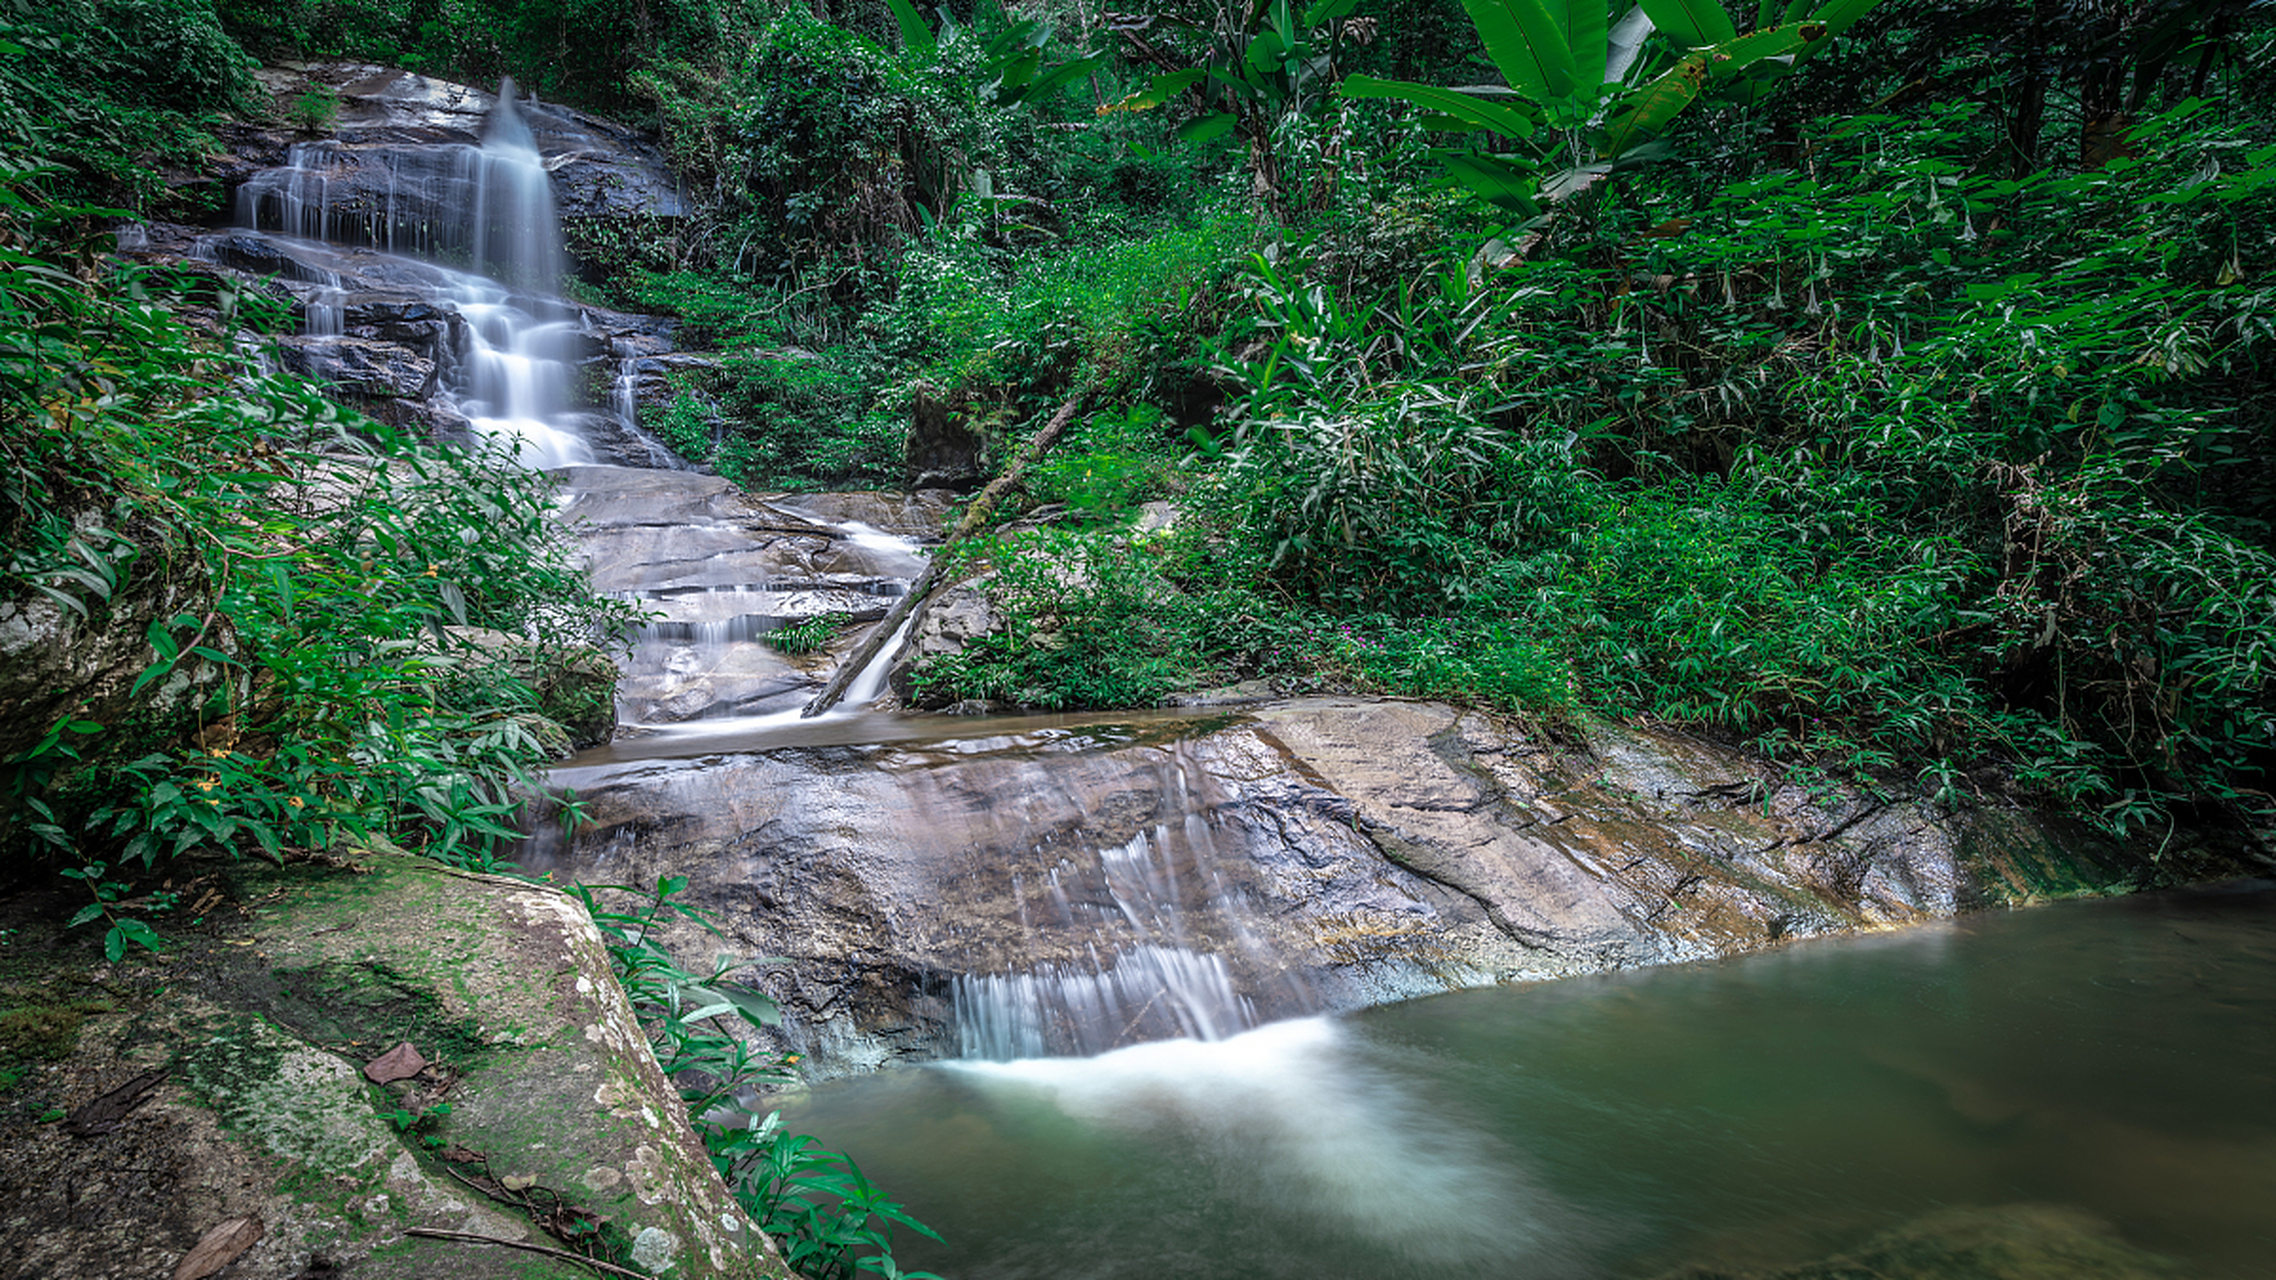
(1308, 1124)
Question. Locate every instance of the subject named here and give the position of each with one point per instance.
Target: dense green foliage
(1928, 438)
(325, 574)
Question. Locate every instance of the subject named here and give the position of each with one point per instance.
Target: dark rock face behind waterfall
(350, 229)
(1003, 889)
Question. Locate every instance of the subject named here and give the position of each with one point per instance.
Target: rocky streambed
(999, 888)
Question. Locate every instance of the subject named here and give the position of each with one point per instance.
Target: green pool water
(2110, 1062)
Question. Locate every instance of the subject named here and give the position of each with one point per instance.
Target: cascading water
(509, 365)
(1133, 937)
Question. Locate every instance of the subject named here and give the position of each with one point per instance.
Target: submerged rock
(2013, 1242)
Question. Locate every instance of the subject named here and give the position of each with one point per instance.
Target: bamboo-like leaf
(1527, 46)
(1641, 117)
(1692, 22)
(914, 33)
(1508, 120)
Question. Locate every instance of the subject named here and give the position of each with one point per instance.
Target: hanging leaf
(1511, 121)
(1738, 55)
(1527, 46)
(1692, 22)
(914, 33)
(1642, 117)
(1508, 186)
(1585, 33)
(1063, 75)
(1163, 88)
(1206, 128)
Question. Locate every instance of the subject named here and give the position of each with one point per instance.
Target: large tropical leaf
(1692, 22)
(1527, 46)
(1735, 56)
(1162, 89)
(1510, 186)
(1584, 28)
(1063, 75)
(1625, 42)
(1204, 128)
(914, 32)
(1642, 116)
(1469, 108)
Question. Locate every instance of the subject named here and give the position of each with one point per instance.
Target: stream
(2112, 1058)
(1255, 991)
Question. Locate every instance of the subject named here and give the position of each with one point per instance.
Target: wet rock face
(1328, 853)
(346, 224)
(721, 571)
(600, 169)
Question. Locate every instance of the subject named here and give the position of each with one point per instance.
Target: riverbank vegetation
(1882, 385)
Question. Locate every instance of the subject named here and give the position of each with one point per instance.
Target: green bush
(330, 556)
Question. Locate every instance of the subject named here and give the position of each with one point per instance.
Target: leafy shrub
(1090, 622)
(330, 558)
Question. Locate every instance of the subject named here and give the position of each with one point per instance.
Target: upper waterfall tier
(428, 269)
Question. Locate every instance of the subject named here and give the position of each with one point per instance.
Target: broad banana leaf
(1624, 43)
(1735, 56)
(1585, 30)
(1507, 120)
(1692, 22)
(914, 33)
(1643, 116)
(1328, 11)
(1510, 186)
(1527, 46)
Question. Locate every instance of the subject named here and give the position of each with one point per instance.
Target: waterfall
(340, 212)
(1158, 989)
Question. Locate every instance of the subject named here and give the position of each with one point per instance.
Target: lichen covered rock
(542, 1120)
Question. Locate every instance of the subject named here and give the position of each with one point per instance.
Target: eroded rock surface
(543, 1107)
(722, 571)
(1330, 852)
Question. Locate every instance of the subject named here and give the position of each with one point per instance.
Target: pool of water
(2114, 1058)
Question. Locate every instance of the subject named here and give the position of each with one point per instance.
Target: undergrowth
(831, 1222)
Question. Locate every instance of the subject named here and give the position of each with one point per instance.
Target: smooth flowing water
(2116, 1058)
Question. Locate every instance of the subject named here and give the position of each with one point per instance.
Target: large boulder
(246, 1087)
(1320, 853)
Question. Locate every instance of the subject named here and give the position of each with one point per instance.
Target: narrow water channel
(2112, 1059)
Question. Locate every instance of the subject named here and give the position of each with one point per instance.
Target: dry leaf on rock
(399, 1063)
(219, 1247)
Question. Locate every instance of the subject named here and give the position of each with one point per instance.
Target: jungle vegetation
(1884, 386)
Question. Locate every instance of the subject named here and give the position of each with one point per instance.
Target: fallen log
(974, 518)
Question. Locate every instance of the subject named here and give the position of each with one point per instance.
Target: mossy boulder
(539, 1121)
